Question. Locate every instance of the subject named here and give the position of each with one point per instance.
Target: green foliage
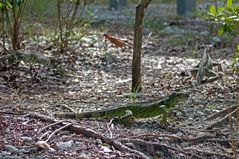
(153, 24)
(12, 12)
(42, 10)
(12, 58)
(134, 94)
(228, 19)
(68, 11)
(183, 39)
(177, 40)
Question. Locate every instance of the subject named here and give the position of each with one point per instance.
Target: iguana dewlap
(145, 110)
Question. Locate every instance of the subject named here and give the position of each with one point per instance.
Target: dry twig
(57, 130)
(51, 125)
(222, 120)
(222, 112)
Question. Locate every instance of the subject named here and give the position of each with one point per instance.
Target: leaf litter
(94, 74)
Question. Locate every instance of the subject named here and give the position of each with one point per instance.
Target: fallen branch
(173, 137)
(208, 153)
(223, 141)
(222, 120)
(222, 112)
(198, 130)
(11, 113)
(90, 133)
(153, 145)
(208, 138)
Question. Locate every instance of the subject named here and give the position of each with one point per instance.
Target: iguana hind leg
(127, 119)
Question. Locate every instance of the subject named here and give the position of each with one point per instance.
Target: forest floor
(94, 74)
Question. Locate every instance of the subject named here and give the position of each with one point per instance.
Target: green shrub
(12, 12)
(227, 18)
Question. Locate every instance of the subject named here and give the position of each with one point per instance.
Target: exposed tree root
(90, 133)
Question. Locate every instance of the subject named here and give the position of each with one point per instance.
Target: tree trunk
(136, 65)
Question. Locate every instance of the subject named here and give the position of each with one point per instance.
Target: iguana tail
(94, 114)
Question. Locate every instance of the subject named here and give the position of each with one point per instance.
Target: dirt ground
(94, 74)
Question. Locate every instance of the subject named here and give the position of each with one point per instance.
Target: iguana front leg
(165, 113)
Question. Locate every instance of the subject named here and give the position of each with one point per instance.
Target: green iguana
(141, 110)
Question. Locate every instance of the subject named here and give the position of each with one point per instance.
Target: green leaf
(213, 10)
(229, 3)
(221, 31)
(220, 10)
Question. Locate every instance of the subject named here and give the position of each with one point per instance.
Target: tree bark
(136, 64)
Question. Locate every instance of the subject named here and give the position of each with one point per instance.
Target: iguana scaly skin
(145, 110)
